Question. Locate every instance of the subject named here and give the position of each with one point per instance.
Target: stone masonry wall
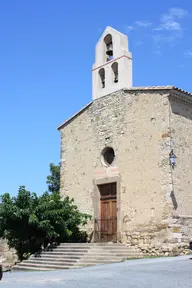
(181, 138)
(173, 238)
(137, 126)
(8, 257)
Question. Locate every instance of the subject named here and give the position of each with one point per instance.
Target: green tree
(28, 221)
(53, 180)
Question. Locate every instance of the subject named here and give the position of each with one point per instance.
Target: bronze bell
(109, 49)
(116, 77)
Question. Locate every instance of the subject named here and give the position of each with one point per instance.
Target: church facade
(126, 158)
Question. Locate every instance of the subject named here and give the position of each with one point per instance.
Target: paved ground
(146, 273)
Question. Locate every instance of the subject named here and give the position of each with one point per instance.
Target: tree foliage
(28, 221)
(53, 180)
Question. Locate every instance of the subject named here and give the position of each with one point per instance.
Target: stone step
(89, 255)
(63, 252)
(73, 251)
(69, 260)
(108, 257)
(60, 255)
(67, 249)
(84, 247)
(38, 268)
(124, 252)
(75, 255)
(71, 248)
(53, 257)
(123, 248)
(93, 244)
(92, 263)
(87, 260)
(65, 263)
(89, 247)
(42, 265)
(29, 268)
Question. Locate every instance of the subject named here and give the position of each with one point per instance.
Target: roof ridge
(169, 87)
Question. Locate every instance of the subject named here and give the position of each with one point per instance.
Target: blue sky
(45, 44)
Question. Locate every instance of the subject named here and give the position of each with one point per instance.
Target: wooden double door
(108, 212)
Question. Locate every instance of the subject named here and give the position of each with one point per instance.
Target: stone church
(126, 157)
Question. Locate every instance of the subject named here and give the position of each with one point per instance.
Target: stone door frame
(96, 201)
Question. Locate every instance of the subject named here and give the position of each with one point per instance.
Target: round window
(108, 155)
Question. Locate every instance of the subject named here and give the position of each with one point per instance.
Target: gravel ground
(146, 273)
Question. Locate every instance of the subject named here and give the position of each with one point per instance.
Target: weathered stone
(142, 125)
(8, 257)
(176, 229)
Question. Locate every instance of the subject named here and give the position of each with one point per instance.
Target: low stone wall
(184, 224)
(165, 250)
(8, 257)
(161, 240)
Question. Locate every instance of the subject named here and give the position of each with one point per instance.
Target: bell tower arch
(108, 51)
(112, 69)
